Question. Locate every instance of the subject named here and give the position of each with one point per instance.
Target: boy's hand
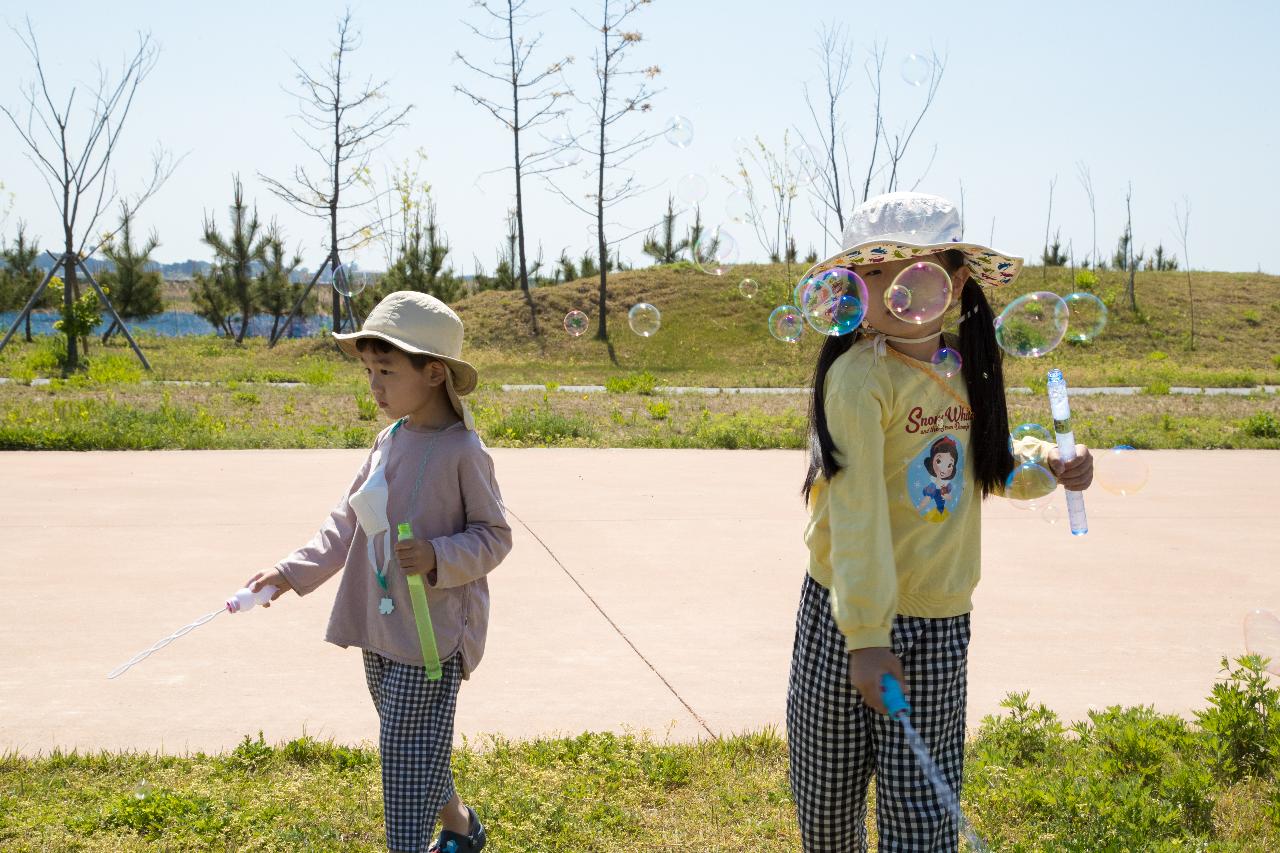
(866, 666)
(1075, 475)
(416, 556)
(269, 578)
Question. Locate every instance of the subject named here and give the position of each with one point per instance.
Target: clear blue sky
(1179, 98)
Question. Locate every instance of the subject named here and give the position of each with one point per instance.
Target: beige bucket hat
(419, 323)
(901, 225)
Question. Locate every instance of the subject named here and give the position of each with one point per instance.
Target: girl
(429, 469)
(888, 592)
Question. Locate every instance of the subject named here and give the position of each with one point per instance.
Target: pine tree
(135, 291)
(668, 251)
(235, 255)
(20, 276)
(274, 290)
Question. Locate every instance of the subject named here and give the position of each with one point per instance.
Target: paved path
(648, 590)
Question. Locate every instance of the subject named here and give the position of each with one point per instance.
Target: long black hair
(983, 377)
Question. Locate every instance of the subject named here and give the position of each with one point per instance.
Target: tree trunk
(68, 299)
(602, 330)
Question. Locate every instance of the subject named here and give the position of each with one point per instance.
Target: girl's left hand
(416, 556)
(1075, 475)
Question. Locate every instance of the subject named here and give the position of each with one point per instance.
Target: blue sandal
(452, 842)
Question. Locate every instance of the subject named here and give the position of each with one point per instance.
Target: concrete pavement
(647, 591)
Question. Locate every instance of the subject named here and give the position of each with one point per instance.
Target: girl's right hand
(866, 666)
(269, 578)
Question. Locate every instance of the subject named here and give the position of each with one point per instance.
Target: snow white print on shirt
(935, 479)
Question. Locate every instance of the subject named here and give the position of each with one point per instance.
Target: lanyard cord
(413, 496)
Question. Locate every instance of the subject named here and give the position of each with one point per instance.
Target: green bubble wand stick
(421, 614)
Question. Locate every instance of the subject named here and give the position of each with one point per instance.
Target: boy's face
(878, 278)
(397, 386)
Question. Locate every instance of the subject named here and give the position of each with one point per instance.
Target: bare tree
(896, 148)
(535, 91)
(608, 106)
(350, 124)
(1182, 217)
(1086, 180)
(78, 173)
(1045, 257)
(832, 181)
(833, 175)
(1133, 261)
(771, 208)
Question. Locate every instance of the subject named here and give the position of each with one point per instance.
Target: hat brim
(464, 375)
(987, 266)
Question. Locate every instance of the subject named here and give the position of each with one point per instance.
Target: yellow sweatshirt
(898, 529)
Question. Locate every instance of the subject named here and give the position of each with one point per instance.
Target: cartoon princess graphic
(941, 463)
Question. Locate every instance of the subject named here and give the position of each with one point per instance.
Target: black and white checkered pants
(836, 742)
(415, 739)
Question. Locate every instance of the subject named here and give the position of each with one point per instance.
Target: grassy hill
(712, 335)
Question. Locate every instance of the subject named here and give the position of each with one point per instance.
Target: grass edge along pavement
(1125, 779)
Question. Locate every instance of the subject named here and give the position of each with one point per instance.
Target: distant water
(172, 324)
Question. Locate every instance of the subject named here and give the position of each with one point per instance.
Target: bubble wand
(899, 709)
(1060, 409)
(244, 599)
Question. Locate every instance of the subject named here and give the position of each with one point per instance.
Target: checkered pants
(836, 742)
(415, 739)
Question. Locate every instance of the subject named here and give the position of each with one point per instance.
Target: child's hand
(866, 666)
(1077, 474)
(416, 556)
(269, 578)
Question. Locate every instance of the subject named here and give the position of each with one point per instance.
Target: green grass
(710, 335)
(1124, 779)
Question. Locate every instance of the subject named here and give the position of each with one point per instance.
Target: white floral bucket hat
(902, 225)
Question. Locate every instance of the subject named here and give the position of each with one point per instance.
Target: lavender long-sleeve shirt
(458, 508)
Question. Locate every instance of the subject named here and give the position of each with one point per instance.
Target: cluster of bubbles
(1036, 323)
(1031, 486)
(643, 318)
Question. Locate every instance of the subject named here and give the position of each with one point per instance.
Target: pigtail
(984, 378)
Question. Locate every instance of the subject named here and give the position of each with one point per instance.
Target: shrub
(1241, 726)
(658, 409)
(366, 407)
(1253, 318)
(634, 383)
(1261, 425)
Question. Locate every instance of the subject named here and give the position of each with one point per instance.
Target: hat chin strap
(880, 339)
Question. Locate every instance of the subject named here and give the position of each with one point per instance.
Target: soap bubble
(749, 287)
(803, 161)
(741, 146)
(1032, 324)
(679, 132)
(800, 293)
(715, 252)
(917, 69)
(738, 207)
(947, 362)
(567, 152)
(143, 791)
(1029, 484)
(575, 323)
(786, 323)
(644, 319)
(834, 302)
(1024, 431)
(1262, 637)
(1121, 470)
(1088, 316)
(919, 293)
(345, 280)
(692, 188)
(1051, 514)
